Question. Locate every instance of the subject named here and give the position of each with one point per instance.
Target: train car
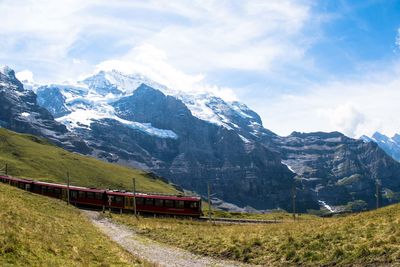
(77, 195)
(115, 199)
(50, 189)
(25, 184)
(162, 204)
(112, 199)
(87, 196)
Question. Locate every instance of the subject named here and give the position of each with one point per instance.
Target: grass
(278, 215)
(33, 157)
(369, 238)
(40, 231)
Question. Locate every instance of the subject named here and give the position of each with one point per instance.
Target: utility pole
(378, 192)
(134, 197)
(68, 188)
(294, 202)
(6, 169)
(209, 201)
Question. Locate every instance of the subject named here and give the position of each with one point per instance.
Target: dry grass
(40, 231)
(361, 239)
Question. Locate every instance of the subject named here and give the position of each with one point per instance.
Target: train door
(64, 194)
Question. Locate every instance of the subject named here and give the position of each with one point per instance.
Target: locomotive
(112, 199)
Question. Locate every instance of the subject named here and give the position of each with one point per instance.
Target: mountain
(390, 145)
(196, 139)
(338, 169)
(191, 139)
(20, 112)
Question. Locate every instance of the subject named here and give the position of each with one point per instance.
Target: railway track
(238, 221)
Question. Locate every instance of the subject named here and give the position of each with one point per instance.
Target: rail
(239, 220)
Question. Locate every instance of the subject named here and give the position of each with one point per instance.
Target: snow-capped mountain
(196, 138)
(77, 105)
(132, 120)
(20, 112)
(390, 145)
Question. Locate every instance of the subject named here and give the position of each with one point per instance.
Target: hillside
(41, 231)
(370, 238)
(33, 157)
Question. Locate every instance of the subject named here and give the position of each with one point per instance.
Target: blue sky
(302, 65)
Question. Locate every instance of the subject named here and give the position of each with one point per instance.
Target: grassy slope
(368, 238)
(32, 157)
(40, 231)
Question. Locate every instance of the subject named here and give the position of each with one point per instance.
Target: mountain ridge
(197, 139)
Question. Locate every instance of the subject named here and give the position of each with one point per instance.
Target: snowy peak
(118, 83)
(390, 145)
(7, 71)
(7, 78)
(106, 87)
(101, 84)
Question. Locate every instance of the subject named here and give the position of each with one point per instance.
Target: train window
(194, 205)
(49, 190)
(169, 203)
(119, 200)
(99, 196)
(90, 195)
(139, 201)
(148, 201)
(57, 191)
(180, 204)
(74, 194)
(158, 202)
(81, 194)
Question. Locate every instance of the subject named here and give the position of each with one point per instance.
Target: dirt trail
(150, 250)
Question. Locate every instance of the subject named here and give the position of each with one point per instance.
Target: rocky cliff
(20, 112)
(338, 169)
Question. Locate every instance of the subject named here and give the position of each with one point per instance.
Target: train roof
(108, 191)
(153, 195)
(17, 179)
(71, 187)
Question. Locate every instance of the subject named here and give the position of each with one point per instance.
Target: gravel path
(152, 251)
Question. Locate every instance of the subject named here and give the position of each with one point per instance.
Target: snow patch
(25, 114)
(149, 129)
(287, 165)
(244, 139)
(323, 203)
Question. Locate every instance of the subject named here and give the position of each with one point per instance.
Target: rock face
(20, 112)
(338, 169)
(390, 145)
(158, 132)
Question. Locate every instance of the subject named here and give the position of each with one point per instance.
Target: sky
(301, 65)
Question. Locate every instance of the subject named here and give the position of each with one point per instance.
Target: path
(152, 251)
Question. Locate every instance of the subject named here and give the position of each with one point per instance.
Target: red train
(106, 199)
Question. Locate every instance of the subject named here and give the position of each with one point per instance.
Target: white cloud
(358, 106)
(198, 36)
(153, 63)
(251, 35)
(347, 119)
(25, 75)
